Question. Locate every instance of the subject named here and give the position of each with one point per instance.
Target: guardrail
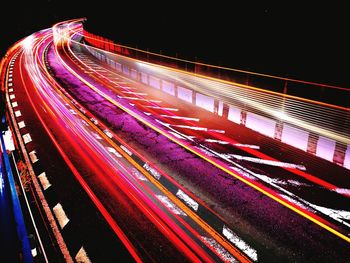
(325, 93)
(319, 128)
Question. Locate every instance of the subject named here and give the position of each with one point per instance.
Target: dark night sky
(308, 42)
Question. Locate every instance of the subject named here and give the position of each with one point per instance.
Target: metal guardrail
(333, 95)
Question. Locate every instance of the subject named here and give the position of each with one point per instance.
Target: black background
(304, 41)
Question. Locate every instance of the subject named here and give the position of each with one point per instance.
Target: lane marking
(14, 104)
(33, 156)
(114, 151)
(21, 124)
(27, 138)
(82, 256)
(222, 252)
(12, 96)
(44, 181)
(243, 246)
(60, 215)
(18, 113)
(138, 175)
(188, 200)
(152, 171)
(108, 133)
(11, 90)
(34, 252)
(169, 204)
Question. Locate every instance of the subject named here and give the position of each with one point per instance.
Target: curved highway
(121, 169)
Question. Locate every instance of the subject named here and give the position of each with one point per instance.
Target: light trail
(260, 155)
(86, 139)
(100, 150)
(98, 204)
(223, 167)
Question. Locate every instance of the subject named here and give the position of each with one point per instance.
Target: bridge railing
(309, 116)
(324, 93)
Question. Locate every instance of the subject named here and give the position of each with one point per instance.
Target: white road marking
(338, 215)
(108, 133)
(94, 121)
(27, 138)
(169, 204)
(60, 215)
(114, 151)
(249, 251)
(126, 150)
(44, 181)
(21, 124)
(18, 113)
(224, 254)
(188, 200)
(73, 111)
(138, 175)
(96, 135)
(34, 252)
(152, 171)
(11, 90)
(12, 96)
(14, 104)
(82, 256)
(33, 156)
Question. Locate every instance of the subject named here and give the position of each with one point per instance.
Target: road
(158, 178)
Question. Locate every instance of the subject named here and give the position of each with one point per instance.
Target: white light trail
(179, 117)
(267, 162)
